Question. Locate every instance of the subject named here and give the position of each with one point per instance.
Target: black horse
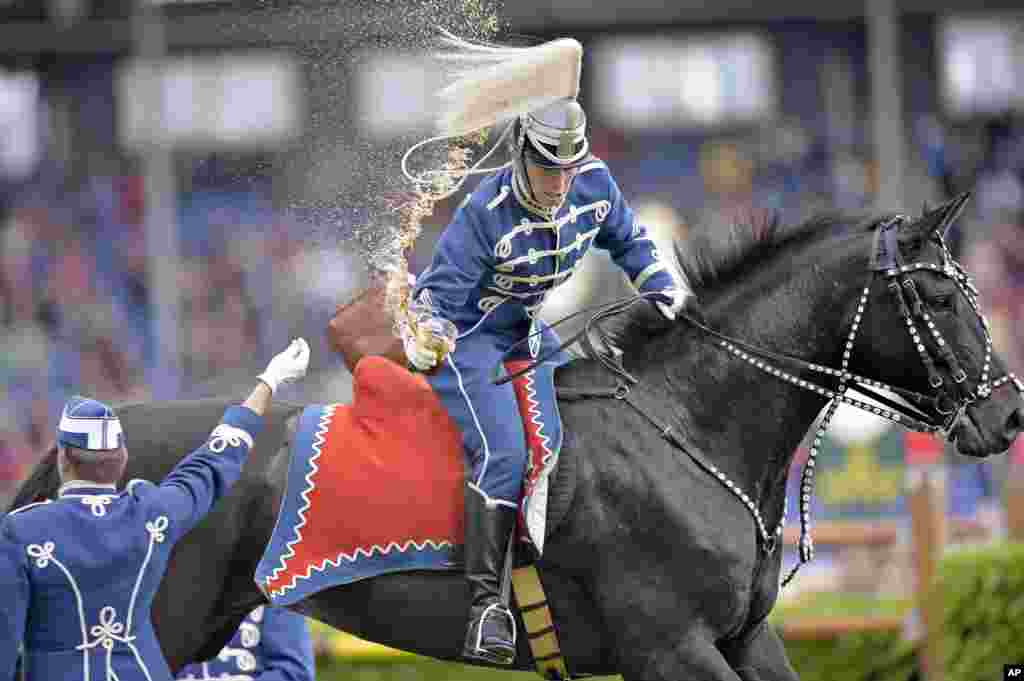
(663, 561)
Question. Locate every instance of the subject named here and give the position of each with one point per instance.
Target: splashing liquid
(411, 213)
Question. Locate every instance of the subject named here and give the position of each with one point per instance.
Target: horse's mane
(713, 258)
(40, 484)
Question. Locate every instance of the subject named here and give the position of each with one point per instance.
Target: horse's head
(921, 328)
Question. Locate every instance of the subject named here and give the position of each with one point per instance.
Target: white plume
(495, 83)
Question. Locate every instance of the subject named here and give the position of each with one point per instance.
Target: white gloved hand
(287, 366)
(678, 296)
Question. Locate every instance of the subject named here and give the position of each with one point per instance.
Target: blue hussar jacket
(273, 644)
(79, 573)
(496, 261)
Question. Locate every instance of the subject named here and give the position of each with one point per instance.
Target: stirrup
(502, 653)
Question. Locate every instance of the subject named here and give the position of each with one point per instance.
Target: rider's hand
(287, 366)
(670, 301)
(424, 348)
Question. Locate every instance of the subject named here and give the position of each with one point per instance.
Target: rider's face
(549, 185)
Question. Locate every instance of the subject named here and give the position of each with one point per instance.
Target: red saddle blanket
(376, 486)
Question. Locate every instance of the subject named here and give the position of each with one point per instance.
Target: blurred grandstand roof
(544, 14)
(103, 26)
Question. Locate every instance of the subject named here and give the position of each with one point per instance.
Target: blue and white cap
(91, 425)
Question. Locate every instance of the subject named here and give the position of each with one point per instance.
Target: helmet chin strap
(524, 191)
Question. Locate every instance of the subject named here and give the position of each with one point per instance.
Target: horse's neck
(749, 422)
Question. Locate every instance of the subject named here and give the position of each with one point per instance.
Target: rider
(79, 573)
(272, 644)
(521, 233)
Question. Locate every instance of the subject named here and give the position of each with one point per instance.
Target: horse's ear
(939, 220)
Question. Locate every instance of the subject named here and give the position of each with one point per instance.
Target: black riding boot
(490, 635)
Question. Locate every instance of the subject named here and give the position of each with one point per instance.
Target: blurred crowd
(997, 259)
(76, 305)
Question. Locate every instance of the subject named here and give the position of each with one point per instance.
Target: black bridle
(951, 396)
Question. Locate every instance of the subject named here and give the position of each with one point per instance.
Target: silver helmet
(554, 136)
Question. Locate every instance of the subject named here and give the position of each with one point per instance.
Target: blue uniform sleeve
(287, 647)
(627, 242)
(461, 258)
(189, 492)
(13, 604)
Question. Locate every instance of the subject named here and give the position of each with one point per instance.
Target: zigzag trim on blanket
(319, 437)
(356, 555)
(536, 417)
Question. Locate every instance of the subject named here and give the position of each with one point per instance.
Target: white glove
(421, 349)
(287, 366)
(679, 297)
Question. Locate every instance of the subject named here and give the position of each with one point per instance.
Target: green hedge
(983, 611)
